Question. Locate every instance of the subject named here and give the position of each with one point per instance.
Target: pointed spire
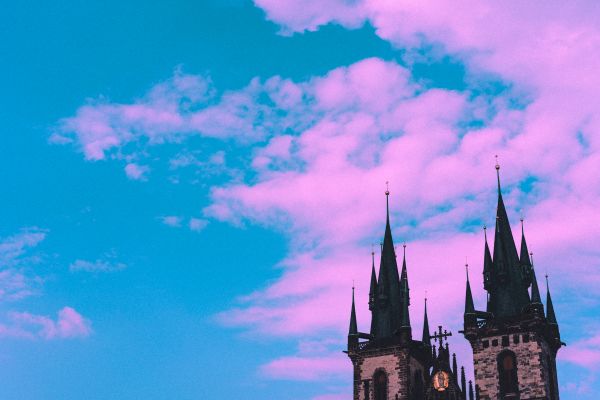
(498, 175)
(469, 305)
(550, 315)
(471, 391)
(405, 312)
(510, 295)
(524, 256)
(463, 383)
(487, 263)
(373, 287)
(426, 336)
(535, 291)
(454, 368)
(373, 297)
(353, 329)
(389, 297)
(404, 275)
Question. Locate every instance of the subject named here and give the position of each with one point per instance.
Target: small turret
(463, 383)
(454, 368)
(373, 297)
(536, 299)
(426, 335)
(353, 328)
(470, 318)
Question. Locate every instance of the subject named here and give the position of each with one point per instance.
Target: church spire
(536, 299)
(426, 335)
(471, 397)
(488, 276)
(463, 383)
(508, 294)
(353, 328)
(524, 256)
(405, 314)
(373, 296)
(550, 315)
(469, 305)
(389, 297)
(404, 292)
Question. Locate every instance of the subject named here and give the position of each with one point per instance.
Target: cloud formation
(18, 280)
(321, 150)
(68, 324)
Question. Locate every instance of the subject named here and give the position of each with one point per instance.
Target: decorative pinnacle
(531, 257)
(498, 173)
(467, 267)
(387, 188)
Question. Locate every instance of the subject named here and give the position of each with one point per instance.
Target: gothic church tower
(390, 365)
(514, 343)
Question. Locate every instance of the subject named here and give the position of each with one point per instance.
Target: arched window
(507, 372)
(380, 383)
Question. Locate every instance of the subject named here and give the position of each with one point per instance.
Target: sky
(190, 189)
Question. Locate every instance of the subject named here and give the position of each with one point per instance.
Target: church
(514, 340)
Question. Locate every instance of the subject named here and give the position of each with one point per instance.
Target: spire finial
(498, 172)
(404, 249)
(531, 258)
(387, 202)
(467, 267)
(485, 232)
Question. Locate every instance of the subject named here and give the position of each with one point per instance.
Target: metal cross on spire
(440, 336)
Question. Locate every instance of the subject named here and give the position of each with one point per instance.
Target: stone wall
(395, 363)
(531, 351)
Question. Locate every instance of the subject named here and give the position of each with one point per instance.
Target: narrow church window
(486, 344)
(504, 341)
(381, 382)
(507, 372)
(495, 342)
(367, 392)
(526, 338)
(516, 339)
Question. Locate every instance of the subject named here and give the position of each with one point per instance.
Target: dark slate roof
(390, 298)
(508, 289)
(426, 339)
(353, 329)
(550, 315)
(469, 305)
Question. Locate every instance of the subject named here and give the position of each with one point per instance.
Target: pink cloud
(69, 324)
(17, 279)
(100, 265)
(361, 125)
(136, 172)
(307, 368)
(584, 352)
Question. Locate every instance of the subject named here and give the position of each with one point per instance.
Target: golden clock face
(440, 381)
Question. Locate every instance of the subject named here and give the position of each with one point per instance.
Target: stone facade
(534, 358)
(399, 367)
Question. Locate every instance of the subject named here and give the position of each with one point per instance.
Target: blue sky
(176, 262)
